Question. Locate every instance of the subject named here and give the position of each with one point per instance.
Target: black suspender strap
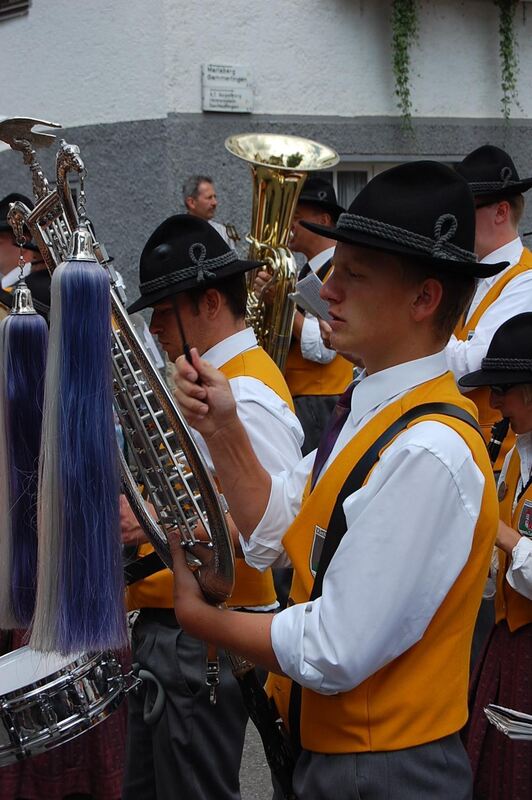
(338, 526)
(142, 568)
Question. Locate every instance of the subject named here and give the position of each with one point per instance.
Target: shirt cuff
(520, 553)
(264, 547)
(288, 634)
(311, 343)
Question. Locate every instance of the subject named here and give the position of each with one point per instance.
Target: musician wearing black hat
(316, 375)
(10, 249)
(195, 285)
(389, 526)
(502, 768)
(499, 201)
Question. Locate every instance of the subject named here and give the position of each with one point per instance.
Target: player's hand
(262, 279)
(203, 395)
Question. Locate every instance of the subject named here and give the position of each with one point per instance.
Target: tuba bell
(279, 167)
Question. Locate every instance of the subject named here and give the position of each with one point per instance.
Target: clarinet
(498, 435)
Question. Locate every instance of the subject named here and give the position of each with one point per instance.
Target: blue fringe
(25, 344)
(91, 591)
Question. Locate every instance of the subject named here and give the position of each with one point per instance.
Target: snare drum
(48, 699)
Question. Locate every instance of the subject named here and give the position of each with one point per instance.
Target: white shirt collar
(318, 261)
(224, 351)
(388, 384)
(511, 251)
(524, 447)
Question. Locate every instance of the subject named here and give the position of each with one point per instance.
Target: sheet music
(307, 296)
(514, 724)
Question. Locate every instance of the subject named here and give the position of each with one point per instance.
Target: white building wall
(83, 62)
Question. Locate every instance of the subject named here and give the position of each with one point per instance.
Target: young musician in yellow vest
(389, 526)
(503, 768)
(196, 286)
(315, 374)
(498, 192)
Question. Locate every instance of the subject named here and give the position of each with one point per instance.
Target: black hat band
(439, 247)
(507, 363)
(202, 268)
(495, 186)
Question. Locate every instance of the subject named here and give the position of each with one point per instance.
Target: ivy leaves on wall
(404, 32)
(508, 55)
(405, 29)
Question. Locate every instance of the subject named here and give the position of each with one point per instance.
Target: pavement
(255, 782)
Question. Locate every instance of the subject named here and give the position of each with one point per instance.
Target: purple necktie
(331, 432)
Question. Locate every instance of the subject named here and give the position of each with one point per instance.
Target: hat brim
(469, 269)
(330, 208)
(152, 298)
(491, 377)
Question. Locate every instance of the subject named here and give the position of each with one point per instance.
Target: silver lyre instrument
(165, 458)
(279, 166)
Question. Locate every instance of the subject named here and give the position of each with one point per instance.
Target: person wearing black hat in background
(9, 248)
(502, 768)
(379, 633)
(315, 374)
(196, 286)
(498, 192)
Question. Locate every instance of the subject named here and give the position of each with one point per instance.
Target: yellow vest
(305, 377)
(421, 695)
(487, 415)
(509, 604)
(252, 588)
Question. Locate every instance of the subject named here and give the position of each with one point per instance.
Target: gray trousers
(193, 751)
(438, 770)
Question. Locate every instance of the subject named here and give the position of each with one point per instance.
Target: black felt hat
(319, 192)
(490, 172)
(5, 227)
(509, 356)
(184, 252)
(423, 210)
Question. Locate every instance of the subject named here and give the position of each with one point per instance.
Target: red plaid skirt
(502, 767)
(91, 764)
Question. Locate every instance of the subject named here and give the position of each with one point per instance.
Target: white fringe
(50, 534)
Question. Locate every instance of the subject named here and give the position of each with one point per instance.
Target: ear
(427, 299)
(212, 303)
(502, 212)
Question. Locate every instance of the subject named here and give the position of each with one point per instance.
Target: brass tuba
(165, 459)
(279, 166)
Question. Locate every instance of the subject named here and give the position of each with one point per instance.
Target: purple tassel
(80, 595)
(24, 340)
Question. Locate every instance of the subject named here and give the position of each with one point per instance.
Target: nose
(329, 290)
(154, 327)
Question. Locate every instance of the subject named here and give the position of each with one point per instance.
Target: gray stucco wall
(135, 169)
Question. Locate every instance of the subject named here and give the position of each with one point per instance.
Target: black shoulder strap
(324, 269)
(142, 568)
(338, 526)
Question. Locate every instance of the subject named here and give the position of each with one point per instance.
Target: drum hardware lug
(49, 715)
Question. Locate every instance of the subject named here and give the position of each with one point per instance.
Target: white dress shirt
(519, 573)
(222, 230)
(13, 276)
(515, 298)
(310, 341)
(274, 431)
(409, 534)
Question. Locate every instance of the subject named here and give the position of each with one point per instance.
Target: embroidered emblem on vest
(525, 520)
(317, 547)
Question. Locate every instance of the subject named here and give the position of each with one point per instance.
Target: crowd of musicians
(376, 496)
